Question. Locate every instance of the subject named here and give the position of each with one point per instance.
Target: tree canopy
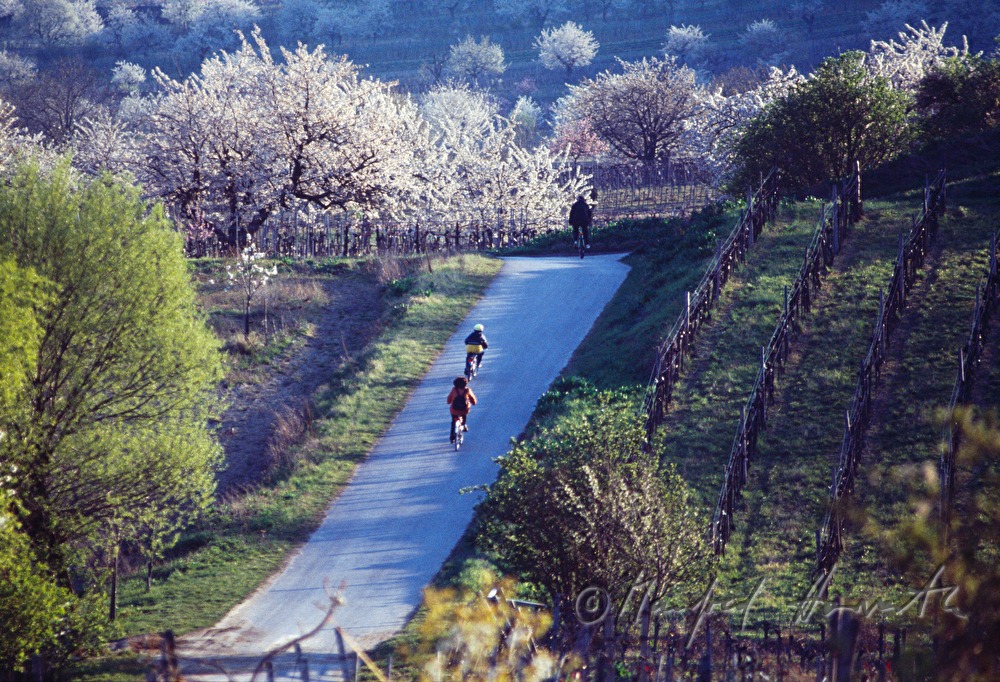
(582, 506)
(111, 427)
(567, 47)
(840, 116)
(640, 112)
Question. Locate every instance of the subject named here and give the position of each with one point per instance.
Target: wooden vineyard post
(836, 224)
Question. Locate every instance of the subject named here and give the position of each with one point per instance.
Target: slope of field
(787, 493)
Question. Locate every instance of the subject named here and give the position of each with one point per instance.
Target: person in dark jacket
(580, 217)
(475, 344)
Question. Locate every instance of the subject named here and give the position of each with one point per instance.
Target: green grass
(666, 260)
(248, 537)
(786, 495)
(785, 498)
(701, 423)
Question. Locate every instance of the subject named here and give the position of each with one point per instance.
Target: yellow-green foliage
(108, 441)
(482, 634)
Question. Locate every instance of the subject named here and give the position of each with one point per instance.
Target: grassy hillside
(786, 497)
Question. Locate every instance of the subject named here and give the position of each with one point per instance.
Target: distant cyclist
(580, 217)
(460, 401)
(475, 344)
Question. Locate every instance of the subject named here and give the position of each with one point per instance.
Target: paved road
(400, 516)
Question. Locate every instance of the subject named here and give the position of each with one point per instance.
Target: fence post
(687, 312)
(743, 440)
(993, 254)
(836, 223)
(858, 209)
(345, 669)
(881, 320)
(717, 289)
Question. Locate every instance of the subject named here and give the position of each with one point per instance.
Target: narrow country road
(395, 523)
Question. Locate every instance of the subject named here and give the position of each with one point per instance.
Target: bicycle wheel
(581, 244)
(459, 433)
(470, 369)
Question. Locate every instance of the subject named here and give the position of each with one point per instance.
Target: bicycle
(459, 430)
(581, 243)
(471, 366)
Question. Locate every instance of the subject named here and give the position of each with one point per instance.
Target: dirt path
(346, 324)
(388, 533)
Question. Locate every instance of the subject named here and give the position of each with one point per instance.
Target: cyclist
(580, 217)
(460, 401)
(475, 344)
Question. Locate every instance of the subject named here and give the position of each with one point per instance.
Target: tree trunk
(113, 607)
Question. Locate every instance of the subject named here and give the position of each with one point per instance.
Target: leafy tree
(818, 132)
(962, 95)
(582, 506)
(22, 295)
(113, 424)
(471, 59)
(567, 46)
(32, 607)
(641, 112)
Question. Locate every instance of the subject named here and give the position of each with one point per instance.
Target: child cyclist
(460, 401)
(475, 344)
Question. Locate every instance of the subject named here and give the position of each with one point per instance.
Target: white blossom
(249, 275)
(15, 69)
(128, 76)
(103, 143)
(526, 117)
(688, 44)
(472, 59)
(711, 134)
(567, 46)
(918, 51)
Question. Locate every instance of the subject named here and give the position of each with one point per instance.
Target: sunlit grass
(249, 535)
